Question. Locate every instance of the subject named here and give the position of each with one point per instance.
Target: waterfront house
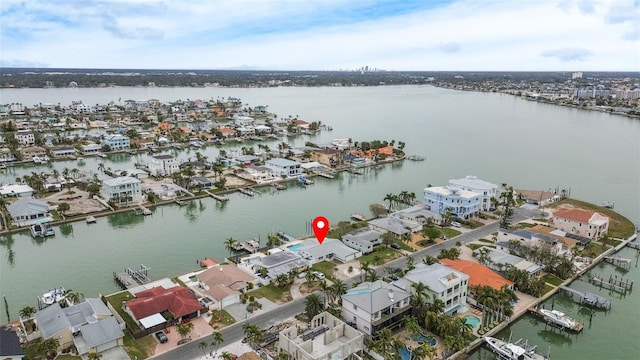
(284, 167)
(16, 190)
(28, 153)
(201, 182)
(163, 165)
(277, 263)
(176, 301)
(486, 189)
(373, 306)
(117, 142)
(499, 260)
(479, 275)
(329, 157)
(27, 211)
(6, 155)
(537, 197)
(328, 338)
(442, 283)
(463, 203)
(10, 348)
(123, 191)
(91, 149)
(315, 252)
(63, 151)
(25, 137)
(419, 214)
(396, 226)
(258, 174)
(224, 283)
(530, 239)
(89, 326)
(363, 239)
(581, 222)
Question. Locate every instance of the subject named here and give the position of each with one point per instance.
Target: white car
(456, 224)
(318, 275)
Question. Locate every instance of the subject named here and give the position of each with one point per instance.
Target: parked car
(394, 277)
(456, 224)
(162, 338)
(395, 246)
(302, 275)
(318, 275)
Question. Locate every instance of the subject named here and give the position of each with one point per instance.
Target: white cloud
(465, 35)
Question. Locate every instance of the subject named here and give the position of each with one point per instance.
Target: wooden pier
(619, 262)
(614, 284)
(285, 237)
(587, 298)
(217, 197)
(358, 217)
(248, 191)
(250, 246)
(132, 278)
(325, 174)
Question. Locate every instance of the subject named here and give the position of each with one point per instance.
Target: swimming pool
(472, 320)
(295, 248)
(425, 339)
(404, 353)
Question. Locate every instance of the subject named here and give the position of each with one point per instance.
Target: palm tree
(364, 269)
(226, 355)
(384, 343)
(313, 305)
(49, 347)
(309, 278)
(184, 329)
(229, 244)
(252, 333)
(412, 326)
(74, 297)
(371, 276)
(391, 198)
(217, 340)
(338, 288)
(26, 312)
(203, 345)
(324, 287)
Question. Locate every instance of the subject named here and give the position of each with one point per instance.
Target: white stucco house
(284, 167)
(123, 190)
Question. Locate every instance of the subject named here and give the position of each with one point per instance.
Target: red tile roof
(479, 275)
(575, 214)
(177, 300)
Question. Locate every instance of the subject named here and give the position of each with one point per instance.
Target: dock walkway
(587, 298)
(132, 278)
(217, 197)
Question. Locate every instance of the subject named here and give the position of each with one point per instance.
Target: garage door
(230, 300)
(107, 346)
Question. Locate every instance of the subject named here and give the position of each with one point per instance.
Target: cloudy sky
(507, 35)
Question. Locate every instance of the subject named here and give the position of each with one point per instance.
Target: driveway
(237, 311)
(117, 353)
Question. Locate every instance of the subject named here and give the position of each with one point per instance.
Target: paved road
(234, 332)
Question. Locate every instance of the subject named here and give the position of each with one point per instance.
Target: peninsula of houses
(375, 288)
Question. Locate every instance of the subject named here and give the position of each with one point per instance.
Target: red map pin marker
(320, 227)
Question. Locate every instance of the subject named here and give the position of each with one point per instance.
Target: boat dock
(633, 245)
(131, 278)
(619, 262)
(577, 328)
(142, 211)
(415, 157)
(248, 191)
(587, 298)
(358, 217)
(614, 284)
(285, 237)
(217, 197)
(325, 174)
(250, 246)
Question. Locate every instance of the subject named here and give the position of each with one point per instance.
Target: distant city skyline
(439, 35)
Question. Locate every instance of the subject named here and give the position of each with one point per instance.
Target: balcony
(389, 319)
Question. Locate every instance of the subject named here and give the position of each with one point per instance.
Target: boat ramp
(587, 298)
(620, 285)
(131, 278)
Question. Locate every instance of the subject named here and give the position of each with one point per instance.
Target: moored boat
(90, 219)
(42, 230)
(559, 318)
(513, 351)
(53, 296)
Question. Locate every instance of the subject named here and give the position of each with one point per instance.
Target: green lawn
(449, 233)
(547, 288)
(68, 357)
(224, 317)
(383, 253)
(525, 225)
(404, 246)
(611, 242)
(325, 267)
(473, 247)
(473, 224)
(486, 241)
(553, 280)
(116, 301)
(141, 348)
(619, 226)
(270, 292)
(592, 250)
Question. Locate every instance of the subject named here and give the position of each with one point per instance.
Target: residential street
(234, 332)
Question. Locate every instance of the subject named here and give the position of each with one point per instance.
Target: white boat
(512, 351)
(42, 230)
(40, 160)
(90, 219)
(559, 318)
(53, 296)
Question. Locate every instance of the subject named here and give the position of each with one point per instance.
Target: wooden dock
(248, 191)
(633, 245)
(577, 328)
(614, 284)
(217, 197)
(619, 262)
(132, 278)
(251, 246)
(587, 298)
(358, 217)
(325, 174)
